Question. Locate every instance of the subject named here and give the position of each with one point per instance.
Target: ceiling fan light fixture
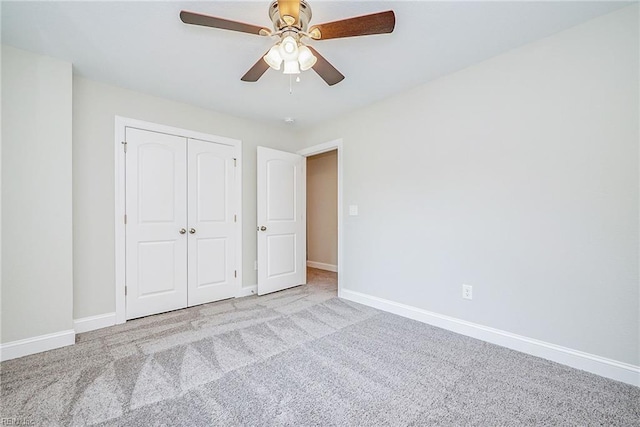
(306, 58)
(273, 57)
(289, 49)
(291, 67)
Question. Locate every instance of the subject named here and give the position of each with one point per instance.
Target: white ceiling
(144, 46)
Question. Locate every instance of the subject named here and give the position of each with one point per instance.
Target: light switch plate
(353, 210)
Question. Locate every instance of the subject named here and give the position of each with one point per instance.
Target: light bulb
(291, 67)
(289, 49)
(306, 58)
(273, 57)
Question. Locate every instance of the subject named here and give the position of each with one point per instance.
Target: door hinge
(235, 273)
(235, 218)
(125, 219)
(234, 162)
(124, 144)
(125, 291)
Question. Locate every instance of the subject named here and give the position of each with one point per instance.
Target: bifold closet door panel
(211, 212)
(156, 235)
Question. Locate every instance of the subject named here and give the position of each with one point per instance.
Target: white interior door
(156, 238)
(281, 220)
(212, 216)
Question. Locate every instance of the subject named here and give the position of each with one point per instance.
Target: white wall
(95, 106)
(322, 208)
(518, 176)
(37, 281)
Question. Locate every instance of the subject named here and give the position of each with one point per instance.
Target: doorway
(324, 215)
(322, 219)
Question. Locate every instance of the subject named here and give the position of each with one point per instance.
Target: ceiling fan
(290, 20)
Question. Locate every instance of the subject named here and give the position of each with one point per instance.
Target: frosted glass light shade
(306, 58)
(288, 49)
(273, 57)
(291, 67)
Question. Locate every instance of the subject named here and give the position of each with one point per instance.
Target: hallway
(328, 280)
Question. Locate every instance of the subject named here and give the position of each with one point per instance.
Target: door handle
(192, 230)
(263, 228)
(183, 230)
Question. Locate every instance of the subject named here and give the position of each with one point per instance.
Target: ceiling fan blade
(328, 72)
(289, 11)
(224, 24)
(255, 72)
(376, 23)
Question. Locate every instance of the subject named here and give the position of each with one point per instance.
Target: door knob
(183, 230)
(263, 228)
(192, 230)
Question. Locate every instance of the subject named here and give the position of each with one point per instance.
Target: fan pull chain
(291, 83)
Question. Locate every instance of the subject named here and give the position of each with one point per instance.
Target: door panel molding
(121, 124)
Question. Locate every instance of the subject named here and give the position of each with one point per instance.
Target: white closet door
(212, 210)
(156, 238)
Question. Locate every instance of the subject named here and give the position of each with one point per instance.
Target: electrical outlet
(467, 291)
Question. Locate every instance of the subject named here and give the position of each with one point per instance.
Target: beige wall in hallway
(322, 208)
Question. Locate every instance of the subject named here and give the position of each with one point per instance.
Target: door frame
(121, 123)
(335, 144)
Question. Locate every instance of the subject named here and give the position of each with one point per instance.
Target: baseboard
(322, 266)
(25, 347)
(246, 291)
(598, 365)
(92, 323)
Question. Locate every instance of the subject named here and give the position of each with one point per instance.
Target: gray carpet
(301, 357)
